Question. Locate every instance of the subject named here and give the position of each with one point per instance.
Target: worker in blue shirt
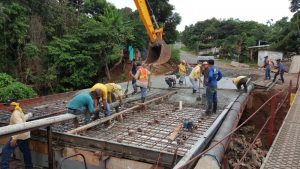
(214, 75)
(81, 104)
(280, 70)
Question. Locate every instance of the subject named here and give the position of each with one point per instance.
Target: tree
(165, 16)
(294, 7)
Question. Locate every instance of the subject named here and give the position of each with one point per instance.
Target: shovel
(199, 98)
(126, 91)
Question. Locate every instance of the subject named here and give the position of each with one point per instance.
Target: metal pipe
(50, 150)
(32, 125)
(212, 159)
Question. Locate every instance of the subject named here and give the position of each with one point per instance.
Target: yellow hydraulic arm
(143, 9)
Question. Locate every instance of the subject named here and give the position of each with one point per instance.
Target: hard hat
(119, 87)
(205, 63)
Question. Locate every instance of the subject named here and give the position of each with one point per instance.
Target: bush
(5, 80)
(10, 88)
(175, 56)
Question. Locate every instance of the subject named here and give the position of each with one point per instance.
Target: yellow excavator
(158, 51)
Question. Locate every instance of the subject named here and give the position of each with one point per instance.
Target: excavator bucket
(158, 53)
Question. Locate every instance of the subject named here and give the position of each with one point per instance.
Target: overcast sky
(192, 11)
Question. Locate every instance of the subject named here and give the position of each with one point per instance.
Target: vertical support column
(272, 120)
(50, 150)
(290, 91)
(297, 86)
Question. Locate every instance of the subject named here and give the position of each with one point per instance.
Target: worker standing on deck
(268, 68)
(241, 81)
(205, 76)
(142, 77)
(99, 91)
(81, 103)
(114, 92)
(182, 72)
(214, 75)
(280, 71)
(20, 140)
(133, 71)
(195, 76)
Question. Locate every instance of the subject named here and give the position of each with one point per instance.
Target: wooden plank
(175, 132)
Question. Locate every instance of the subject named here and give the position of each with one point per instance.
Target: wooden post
(272, 120)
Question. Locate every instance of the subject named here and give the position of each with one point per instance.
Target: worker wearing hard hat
(19, 140)
(182, 71)
(114, 91)
(99, 91)
(240, 81)
(195, 76)
(268, 68)
(142, 77)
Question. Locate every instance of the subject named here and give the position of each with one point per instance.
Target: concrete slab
(295, 66)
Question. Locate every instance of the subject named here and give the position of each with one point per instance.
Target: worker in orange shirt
(142, 77)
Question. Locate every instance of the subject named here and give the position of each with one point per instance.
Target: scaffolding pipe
(32, 125)
(212, 159)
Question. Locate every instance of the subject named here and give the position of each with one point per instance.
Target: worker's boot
(215, 108)
(194, 91)
(143, 99)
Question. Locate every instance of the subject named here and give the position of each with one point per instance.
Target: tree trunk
(117, 64)
(107, 71)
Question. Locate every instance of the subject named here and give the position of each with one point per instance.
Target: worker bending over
(171, 81)
(142, 77)
(82, 103)
(114, 92)
(99, 91)
(20, 140)
(241, 81)
(182, 72)
(280, 71)
(195, 76)
(214, 75)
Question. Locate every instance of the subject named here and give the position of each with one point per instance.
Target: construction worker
(205, 76)
(99, 91)
(182, 72)
(114, 91)
(19, 140)
(142, 77)
(241, 81)
(195, 76)
(81, 103)
(214, 75)
(280, 70)
(268, 68)
(171, 81)
(133, 71)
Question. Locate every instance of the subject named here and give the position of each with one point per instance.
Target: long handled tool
(126, 91)
(199, 98)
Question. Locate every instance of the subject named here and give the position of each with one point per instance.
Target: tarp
(295, 65)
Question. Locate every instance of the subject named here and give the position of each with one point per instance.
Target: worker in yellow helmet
(182, 71)
(114, 91)
(19, 140)
(240, 81)
(99, 91)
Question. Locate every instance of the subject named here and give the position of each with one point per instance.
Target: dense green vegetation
(233, 36)
(58, 46)
(11, 88)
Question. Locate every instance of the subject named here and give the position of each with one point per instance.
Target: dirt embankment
(243, 138)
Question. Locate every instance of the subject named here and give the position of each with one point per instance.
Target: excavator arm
(158, 51)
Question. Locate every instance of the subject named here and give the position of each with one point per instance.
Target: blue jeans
(194, 84)
(212, 100)
(8, 150)
(107, 111)
(133, 82)
(143, 92)
(268, 72)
